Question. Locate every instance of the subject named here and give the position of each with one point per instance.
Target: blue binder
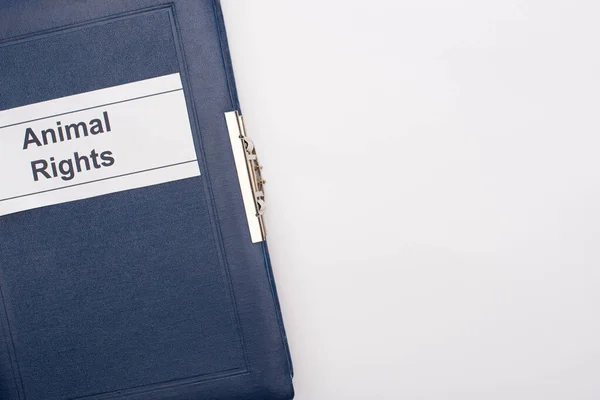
(130, 280)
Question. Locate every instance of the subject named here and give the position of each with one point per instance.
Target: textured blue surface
(153, 293)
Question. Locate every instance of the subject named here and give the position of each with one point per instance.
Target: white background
(434, 192)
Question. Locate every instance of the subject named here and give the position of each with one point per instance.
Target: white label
(95, 143)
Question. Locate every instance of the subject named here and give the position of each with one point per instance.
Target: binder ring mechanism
(249, 174)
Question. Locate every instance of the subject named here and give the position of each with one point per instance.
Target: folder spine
(236, 106)
(235, 102)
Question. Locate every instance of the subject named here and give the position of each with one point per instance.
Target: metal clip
(250, 175)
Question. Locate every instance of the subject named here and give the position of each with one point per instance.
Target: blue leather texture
(153, 293)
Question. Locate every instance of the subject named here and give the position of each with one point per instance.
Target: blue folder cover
(151, 293)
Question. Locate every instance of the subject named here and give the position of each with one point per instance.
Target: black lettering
(30, 138)
(45, 133)
(75, 128)
(106, 157)
(39, 167)
(96, 127)
(94, 157)
(53, 166)
(106, 121)
(79, 159)
(61, 135)
(66, 169)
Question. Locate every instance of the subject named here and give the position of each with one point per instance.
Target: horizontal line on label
(91, 108)
(98, 180)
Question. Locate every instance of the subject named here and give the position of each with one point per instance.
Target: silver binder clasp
(250, 175)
